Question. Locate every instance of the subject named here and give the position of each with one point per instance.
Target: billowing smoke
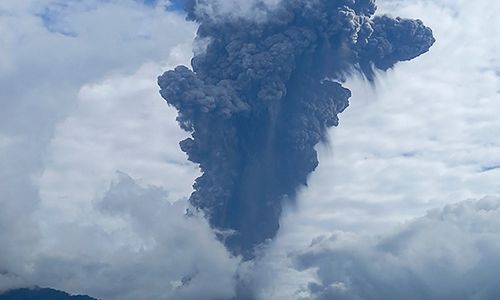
(264, 92)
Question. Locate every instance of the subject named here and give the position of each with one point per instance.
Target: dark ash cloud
(264, 93)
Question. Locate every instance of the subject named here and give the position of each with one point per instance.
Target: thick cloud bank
(264, 92)
(452, 253)
(148, 250)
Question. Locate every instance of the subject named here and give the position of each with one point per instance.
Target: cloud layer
(140, 245)
(448, 254)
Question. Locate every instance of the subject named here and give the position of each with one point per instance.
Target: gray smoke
(264, 93)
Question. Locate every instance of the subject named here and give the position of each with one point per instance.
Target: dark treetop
(40, 294)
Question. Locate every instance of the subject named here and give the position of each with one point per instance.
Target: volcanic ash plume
(264, 93)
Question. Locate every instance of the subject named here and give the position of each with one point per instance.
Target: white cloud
(448, 254)
(118, 124)
(134, 244)
(130, 241)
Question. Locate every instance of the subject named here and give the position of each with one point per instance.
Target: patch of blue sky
(177, 5)
(52, 18)
(150, 2)
(172, 5)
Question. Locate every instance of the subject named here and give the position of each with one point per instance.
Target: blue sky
(93, 185)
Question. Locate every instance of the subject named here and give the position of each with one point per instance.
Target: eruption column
(264, 93)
